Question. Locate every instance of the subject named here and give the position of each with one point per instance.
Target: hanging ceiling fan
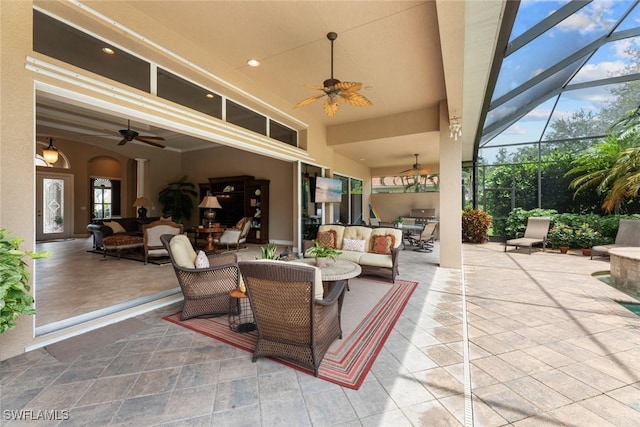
(416, 169)
(335, 90)
(129, 135)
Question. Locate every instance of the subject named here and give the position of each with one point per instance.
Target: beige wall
(225, 161)
(391, 206)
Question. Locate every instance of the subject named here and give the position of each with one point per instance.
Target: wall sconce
(140, 203)
(455, 128)
(50, 153)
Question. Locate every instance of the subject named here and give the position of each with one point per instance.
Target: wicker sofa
(131, 226)
(376, 250)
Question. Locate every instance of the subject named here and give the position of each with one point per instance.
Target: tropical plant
(562, 235)
(177, 199)
(323, 251)
(398, 221)
(15, 299)
(269, 251)
(586, 237)
(475, 226)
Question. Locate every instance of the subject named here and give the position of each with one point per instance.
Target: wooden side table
(212, 232)
(240, 313)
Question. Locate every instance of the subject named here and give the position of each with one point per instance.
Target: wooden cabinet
(241, 196)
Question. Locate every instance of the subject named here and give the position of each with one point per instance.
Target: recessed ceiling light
(210, 95)
(253, 62)
(108, 51)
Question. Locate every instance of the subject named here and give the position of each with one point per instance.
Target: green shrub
(475, 225)
(517, 220)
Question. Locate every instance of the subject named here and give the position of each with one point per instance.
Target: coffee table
(338, 272)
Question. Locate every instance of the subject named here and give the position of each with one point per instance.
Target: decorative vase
(323, 262)
(563, 249)
(586, 251)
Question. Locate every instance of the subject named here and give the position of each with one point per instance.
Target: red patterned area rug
(370, 311)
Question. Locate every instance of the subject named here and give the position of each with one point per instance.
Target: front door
(54, 206)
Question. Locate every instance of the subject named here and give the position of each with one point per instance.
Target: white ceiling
(392, 47)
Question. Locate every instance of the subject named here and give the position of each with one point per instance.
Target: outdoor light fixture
(210, 202)
(50, 153)
(140, 203)
(455, 128)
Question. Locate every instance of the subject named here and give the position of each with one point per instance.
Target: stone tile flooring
(512, 339)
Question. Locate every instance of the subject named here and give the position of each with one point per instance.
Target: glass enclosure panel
(53, 38)
(528, 129)
(241, 116)
(631, 21)
(283, 133)
(190, 95)
(616, 58)
(53, 206)
(532, 12)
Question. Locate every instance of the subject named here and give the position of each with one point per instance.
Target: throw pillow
(240, 224)
(182, 251)
(115, 226)
(202, 261)
(327, 238)
(382, 244)
(353, 245)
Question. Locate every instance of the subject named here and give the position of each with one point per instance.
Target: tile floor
(512, 339)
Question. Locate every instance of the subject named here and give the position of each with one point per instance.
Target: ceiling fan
(129, 135)
(335, 90)
(416, 169)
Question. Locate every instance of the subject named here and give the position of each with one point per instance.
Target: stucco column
(450, 195)
(140, 176)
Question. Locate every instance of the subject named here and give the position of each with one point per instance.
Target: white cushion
(353, 245)
(115, 226)
(202, 261)
(183, 253)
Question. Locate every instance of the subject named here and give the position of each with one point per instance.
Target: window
(105, 202)
(405, 184)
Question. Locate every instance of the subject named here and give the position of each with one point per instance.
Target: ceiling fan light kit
(335, 90)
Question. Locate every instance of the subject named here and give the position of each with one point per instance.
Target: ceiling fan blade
(157, 138)
(148, 141)
(354, 98)
(331, 107)
(308, 100)
(349, 86)
(316, 87)
(124, 141)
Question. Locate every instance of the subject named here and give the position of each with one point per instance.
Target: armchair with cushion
(293, 321)
(235, 236)
(205, 280)
(151, 233)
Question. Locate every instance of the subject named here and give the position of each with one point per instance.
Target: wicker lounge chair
(292, 319)
(205, 290)
(535, 234)
(628, 236)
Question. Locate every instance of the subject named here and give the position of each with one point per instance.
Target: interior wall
(392, 205)
(225, 161)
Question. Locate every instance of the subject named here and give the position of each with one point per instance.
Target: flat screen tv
(328, 190)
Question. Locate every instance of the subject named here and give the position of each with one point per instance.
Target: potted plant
(14, 281)
(398, 222)
(586, 237)
(269, 251)
(323, 254)
(562, 236)
(177, 199)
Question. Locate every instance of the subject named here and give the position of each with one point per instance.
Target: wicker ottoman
(122, 242)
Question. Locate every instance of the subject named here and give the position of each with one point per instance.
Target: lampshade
(141, 201)
(50, 153)
(210, 202)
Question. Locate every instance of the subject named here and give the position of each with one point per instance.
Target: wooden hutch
(240, 196)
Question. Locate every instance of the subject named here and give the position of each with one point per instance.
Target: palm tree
(613, 165)
(177, 199)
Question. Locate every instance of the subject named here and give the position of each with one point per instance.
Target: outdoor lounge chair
(536, 233)
(293, 321)
(628, 236)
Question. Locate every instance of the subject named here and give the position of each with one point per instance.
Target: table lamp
(140, 203)
(210, 202)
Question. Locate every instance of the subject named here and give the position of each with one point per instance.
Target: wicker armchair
(291, 321)
(205, 290)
